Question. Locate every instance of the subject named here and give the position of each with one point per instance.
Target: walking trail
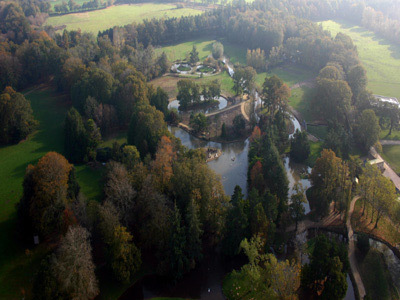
(389, 142)
(352, 257)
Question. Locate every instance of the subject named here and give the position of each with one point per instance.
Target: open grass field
(290, 74)
(380, 58)
(17, 267)
(169, 83)
(204, 47)
(98, 20)
(391, 154)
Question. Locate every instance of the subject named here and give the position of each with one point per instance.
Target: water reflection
(222, 103)
(294, 173)
(231, 165)
(391, 260)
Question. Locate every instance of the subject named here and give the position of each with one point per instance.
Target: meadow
(291, 74)
(380, 58)
(119, 15)
(181, 51)
(49, 109)
(391, 154)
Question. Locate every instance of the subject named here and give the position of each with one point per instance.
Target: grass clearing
(290, 74)
(380, 58)
(391, 154)
(169, 83)
(300, 100)
(384, 135)
(17, 267)
(119, 15)
(181, 51)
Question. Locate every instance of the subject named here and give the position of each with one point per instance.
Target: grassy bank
(98, 20)
(391, 153)
(380, 58)
(290, 74)
(376, 276)
(385, 230)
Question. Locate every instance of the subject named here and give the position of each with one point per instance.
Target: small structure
(390, 100)
(212, 153)
(379, 162)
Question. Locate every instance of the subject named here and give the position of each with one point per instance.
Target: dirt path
(389, 142)
(224, 110)
(243, 110)
(352, 257)
(308, 83)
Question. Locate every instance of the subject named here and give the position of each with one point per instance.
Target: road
(389, 142)
(352, 257)
(224, 110)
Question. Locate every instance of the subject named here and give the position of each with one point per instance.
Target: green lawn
(290, 74)
(300, 100)
(384, 135)
(181, 51)
(169, 84)
(16, 267)
(98, 20)
(379, 57)
(316, 148)
(391, 153)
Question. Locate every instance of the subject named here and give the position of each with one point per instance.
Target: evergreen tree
(177, 258)
(299, 146)
(193, 234)
(75, 136)
(223, 131)
(237, 223)
(194, 55)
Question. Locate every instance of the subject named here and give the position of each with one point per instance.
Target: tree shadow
(208, 47)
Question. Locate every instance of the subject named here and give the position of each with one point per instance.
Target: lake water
(222, 103)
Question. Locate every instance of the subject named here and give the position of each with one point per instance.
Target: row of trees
(377, 192)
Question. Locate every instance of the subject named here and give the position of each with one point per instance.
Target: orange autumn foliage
(162, 164)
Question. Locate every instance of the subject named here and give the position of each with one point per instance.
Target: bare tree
(74, 267)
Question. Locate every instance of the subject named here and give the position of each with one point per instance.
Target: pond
(391, 260)
(222, 103)
(232, 165)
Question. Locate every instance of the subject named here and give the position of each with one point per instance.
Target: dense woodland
(162, 205)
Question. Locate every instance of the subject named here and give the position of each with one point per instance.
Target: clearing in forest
(119, 15)
(380, 58)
